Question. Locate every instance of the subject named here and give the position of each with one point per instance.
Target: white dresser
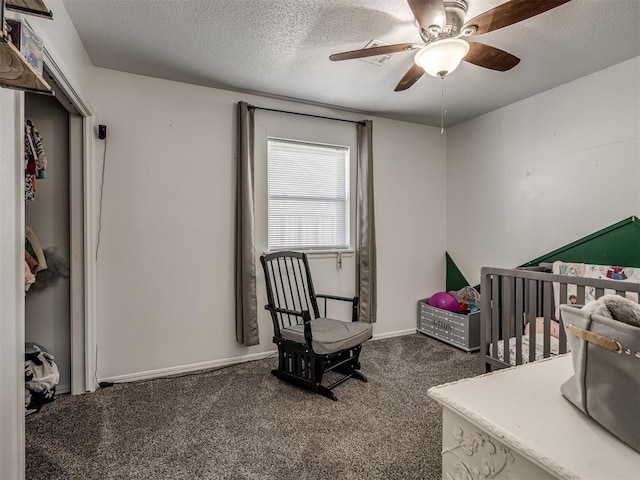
(515, 424)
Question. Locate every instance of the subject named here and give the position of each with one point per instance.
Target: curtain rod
(306, 114)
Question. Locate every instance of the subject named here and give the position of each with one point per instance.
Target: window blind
(308, 195)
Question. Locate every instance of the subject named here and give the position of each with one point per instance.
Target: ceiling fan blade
(411, 77)
(428, 12)
(490, 57)
(373, 51)
(509, 13)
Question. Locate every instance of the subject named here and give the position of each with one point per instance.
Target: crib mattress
(554, 348)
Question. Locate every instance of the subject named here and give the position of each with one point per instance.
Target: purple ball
(444, 301)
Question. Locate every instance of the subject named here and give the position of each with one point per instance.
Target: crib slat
(546, 309)
(507, 314)
(580, 295)
(563, 295)
(563, 334)
(562, 340)
(495, 313)
(599, 292)
(485, 326)
(564, 298)
(519, 319)
(531, 318)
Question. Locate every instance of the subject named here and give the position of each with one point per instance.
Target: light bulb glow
(442, 57)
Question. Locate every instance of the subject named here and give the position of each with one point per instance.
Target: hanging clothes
(29, 187)
(33, 248)
(38, 146)
(29, 277)
(31, 262)
(35, 159)
(30, 164)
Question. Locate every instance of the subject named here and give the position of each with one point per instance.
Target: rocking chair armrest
(306, 320)
(353, 300)
(307, 329)
(336, 297)
(284, 310)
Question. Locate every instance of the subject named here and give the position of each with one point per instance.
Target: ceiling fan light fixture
(442, 57)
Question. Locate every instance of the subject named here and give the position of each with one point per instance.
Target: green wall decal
(454, 278)
(617, 244)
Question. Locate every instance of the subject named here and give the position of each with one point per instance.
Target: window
(308, 195)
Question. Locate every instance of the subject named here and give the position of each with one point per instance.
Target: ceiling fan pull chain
(443, 104)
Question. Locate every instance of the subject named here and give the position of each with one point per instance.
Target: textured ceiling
(281, 48)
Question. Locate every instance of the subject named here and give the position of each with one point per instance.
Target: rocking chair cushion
(330, 336)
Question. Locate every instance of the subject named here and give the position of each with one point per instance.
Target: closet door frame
(82, 260)
(12, 286)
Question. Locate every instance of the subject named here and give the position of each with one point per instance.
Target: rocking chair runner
(309, 345)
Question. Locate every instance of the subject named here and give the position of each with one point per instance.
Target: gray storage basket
(606, 380)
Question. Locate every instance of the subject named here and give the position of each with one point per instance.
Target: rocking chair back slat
(281, 294)
(305, 294)
(297, 283)
(289, 287)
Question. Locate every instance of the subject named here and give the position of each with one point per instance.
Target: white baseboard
(63, 389)
(193, 367)
(398, 333)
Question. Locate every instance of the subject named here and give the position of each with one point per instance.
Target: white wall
(410, 188)
(543, 172)
(165, 267)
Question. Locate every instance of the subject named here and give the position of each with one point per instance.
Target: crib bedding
(584, 270)
(554, 346)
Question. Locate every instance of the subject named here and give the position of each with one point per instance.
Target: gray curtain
(366, 228)
(246, 302)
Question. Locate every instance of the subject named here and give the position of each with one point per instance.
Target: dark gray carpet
(240, 422)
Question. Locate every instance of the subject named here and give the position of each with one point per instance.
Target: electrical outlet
(102, 132)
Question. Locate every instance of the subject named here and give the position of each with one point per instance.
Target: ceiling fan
(443, 29)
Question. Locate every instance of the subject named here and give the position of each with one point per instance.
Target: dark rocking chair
(309, 345)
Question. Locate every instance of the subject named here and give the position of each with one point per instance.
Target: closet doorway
(48, 307)
(56, 315)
